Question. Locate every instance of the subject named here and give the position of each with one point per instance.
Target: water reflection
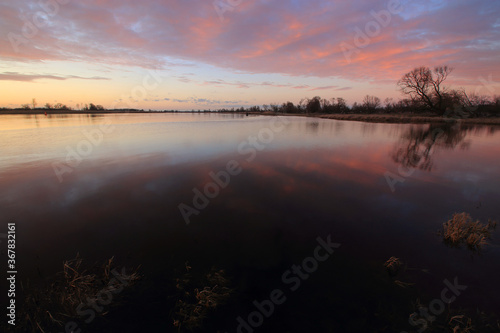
(418, 145)
(318, 177)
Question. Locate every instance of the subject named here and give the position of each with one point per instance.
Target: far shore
(400, 118)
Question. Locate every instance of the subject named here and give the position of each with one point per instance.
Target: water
(112, 185)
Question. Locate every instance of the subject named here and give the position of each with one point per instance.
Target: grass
(462, 229)
(393, 265)
(51, 307)
(198, 299)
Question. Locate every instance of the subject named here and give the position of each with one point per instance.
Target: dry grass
(197, 302)
(461, 324)
(387, 118)
(401, 118)
(393, 265)
(462, 229)
(52, 306)
(408, 119)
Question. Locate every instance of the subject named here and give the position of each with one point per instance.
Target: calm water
(113, 185)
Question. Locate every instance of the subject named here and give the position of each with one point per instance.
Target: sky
(205, 54)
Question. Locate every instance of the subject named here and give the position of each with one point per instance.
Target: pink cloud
(300, 38)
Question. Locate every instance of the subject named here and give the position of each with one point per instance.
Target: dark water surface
(294, 180)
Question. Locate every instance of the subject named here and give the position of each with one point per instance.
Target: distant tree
(327, 106)
(301, 107)
(93, 107)
(356, 108)
(313, 105)
(60, 106)
(288, 107)
(48, 106)
(389, 105)
(274, 107)
(426, 85)
(254, 109)
(371, 103)
(34, 103)
(341, 106)
(25, 106)
(480, 100)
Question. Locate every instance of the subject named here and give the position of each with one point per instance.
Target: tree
(371, 103)
(288, 107)
(60, 106)
(341, 106)
(48, 106)
(34, 103)
(274, 107)
(327, 106)
(313, 105)
(93, 107)
(426, 85)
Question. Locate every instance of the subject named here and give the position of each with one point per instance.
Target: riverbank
(410, 119)
(406, 118)
(403, 118)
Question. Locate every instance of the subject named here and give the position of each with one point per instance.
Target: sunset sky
(201, 54)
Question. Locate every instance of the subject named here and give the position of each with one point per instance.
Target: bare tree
(371, 103)
(34, 103)
(426, 85)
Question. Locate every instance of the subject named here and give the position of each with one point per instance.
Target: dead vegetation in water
(199, 298)
(53, 305)
(393, 265)
(462, 229)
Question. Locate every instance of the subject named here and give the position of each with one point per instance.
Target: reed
(462, 229)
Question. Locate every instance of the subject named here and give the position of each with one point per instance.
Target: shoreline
(404, 118)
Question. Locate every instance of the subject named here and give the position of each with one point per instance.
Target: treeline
(424, 91)
(473, 105)
(62, 107)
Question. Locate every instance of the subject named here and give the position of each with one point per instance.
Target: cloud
(15, 76)
(323, 88)
(290, 37)
(201, 102)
